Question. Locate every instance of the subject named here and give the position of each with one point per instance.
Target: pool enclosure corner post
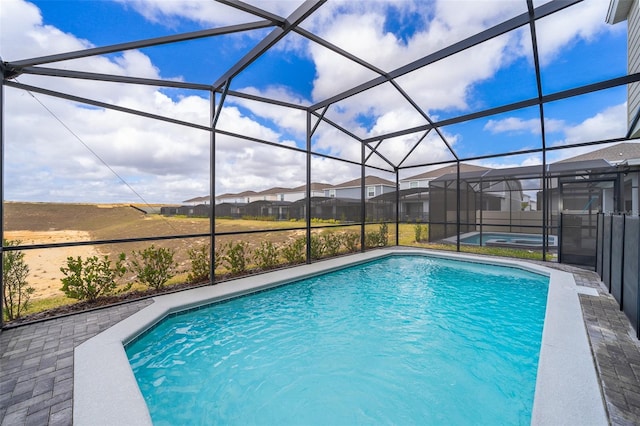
(622, 255)
(536, 62)
(397, 207)
(458, 198)
(212, 186)
(308, 190)
(363, 205)
(481, 209)
(2, 199)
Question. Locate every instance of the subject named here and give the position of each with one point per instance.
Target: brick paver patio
(36, 363)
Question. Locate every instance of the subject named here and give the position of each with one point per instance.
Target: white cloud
(518, 125)
(24, 35)
(584, 21)
(607, 124)
(169, 13)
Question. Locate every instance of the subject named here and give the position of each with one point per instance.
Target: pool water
(528, 239)
(402, 340)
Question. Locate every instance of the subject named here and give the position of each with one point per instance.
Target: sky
(64, 151)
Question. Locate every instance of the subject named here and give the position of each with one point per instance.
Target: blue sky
(50, 143)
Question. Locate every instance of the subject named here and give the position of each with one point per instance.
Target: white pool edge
(567, 389)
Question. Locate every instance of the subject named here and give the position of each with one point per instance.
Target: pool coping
(567, 387)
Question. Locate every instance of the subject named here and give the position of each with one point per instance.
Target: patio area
(36, 386)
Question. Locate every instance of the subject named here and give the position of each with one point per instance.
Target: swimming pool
(402, 340)
(505, 239)
(566, 390)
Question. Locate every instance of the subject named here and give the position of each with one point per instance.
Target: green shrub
(384, 234)
(154, 266)
(88, 279)
(417, 231)
(378, 238)
(17, 291)
(200, 264)
(331, 243)
(266, 256)
(351, 241)
(372, 239)
(317, 247)
(294, 251)
(237, 256)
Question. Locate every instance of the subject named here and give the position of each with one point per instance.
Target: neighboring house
(629, 10)
(492, 190)
(605, 192)
(374, 186)
(414, 190)
(422, 180)
(197, 200)
(272, 194)
(241, 197)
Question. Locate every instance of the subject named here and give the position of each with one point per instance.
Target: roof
(432, 174)
(618, 11)
(613, 154)
(368, 180)
(197, 199)
(317, 186)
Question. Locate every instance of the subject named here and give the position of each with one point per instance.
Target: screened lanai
(310, 118)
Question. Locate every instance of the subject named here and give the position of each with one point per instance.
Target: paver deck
(36, 361)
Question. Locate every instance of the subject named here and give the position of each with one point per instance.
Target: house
(614, 185)
(272, 194)
(414, 190)
(374, 186)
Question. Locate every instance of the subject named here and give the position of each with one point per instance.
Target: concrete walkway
(36, 363)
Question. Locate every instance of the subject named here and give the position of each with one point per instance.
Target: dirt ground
(44, 264)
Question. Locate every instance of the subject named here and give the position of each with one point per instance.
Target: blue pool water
(403, 340)
(504, 237)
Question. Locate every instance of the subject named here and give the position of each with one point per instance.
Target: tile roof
(612, 154)
(432, 174)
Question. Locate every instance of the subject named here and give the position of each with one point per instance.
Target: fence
(577, 239)
(618, 260)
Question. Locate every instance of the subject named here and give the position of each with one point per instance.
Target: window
(332, 193)
(413, 184)
(371, 191)
(281, 197)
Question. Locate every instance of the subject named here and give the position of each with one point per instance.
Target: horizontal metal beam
(56, 72)
(105, 105)
(139, 44)
(502, 28)
(257, 98)
(522, 152)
